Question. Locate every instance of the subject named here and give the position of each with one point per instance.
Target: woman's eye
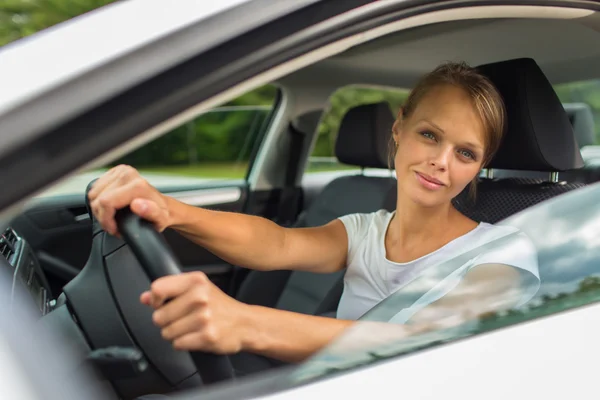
(428, 135)
(468, 154)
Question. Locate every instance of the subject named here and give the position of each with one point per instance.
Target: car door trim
(209, 197)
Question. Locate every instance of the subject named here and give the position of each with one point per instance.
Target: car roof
(398, 59)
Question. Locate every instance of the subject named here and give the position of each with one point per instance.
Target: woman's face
(440, 147)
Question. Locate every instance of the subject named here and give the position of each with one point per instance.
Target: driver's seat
(362, 141)
(539, 138)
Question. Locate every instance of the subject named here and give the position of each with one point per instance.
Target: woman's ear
(397, 127)
(400, 114)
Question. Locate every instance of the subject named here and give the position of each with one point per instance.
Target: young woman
(449, 128)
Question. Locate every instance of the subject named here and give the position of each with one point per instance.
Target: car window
(582, 96)
(216, 146)
(323, 156)
(565, 233)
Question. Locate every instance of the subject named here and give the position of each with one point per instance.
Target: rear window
(323, 155)
(582, 102)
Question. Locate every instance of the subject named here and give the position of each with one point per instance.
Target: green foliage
(21, 18)
(215, 137)
(583, 92)
(262, 96)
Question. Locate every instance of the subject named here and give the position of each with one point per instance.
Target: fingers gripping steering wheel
(157, 260)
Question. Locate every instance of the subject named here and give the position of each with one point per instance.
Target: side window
(216, 146)
(323, 156)
(580, 100)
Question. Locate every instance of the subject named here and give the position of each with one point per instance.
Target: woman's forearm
(240, 239)
(288, 336)
(258, 243)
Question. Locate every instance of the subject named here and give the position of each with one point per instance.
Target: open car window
(215, 147)
(565, 233)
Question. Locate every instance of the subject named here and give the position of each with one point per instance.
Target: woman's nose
(441, 158)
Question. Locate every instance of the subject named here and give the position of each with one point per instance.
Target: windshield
(566, 235)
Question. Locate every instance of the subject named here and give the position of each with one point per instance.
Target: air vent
(8, 240)
(6, 250)
(10, 236)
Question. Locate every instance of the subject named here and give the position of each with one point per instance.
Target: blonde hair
(486, 100)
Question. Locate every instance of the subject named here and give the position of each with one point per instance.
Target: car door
(203, 162)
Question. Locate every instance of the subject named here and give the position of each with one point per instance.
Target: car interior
(75, 270)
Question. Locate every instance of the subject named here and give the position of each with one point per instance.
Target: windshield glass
(565, 232)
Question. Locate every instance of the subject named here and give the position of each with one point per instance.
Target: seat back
(539, 138)
(362, 141)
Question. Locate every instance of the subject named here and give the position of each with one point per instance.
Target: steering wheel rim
(157, 260)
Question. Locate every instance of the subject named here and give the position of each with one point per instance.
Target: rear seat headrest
(539, 136)
(582, 120)
(364, 136)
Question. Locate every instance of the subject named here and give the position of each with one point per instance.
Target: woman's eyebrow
(432, 124)
(473, 145)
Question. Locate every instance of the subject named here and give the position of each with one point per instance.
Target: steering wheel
(157, 260)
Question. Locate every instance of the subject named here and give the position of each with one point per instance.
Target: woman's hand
(123, 186)
(199, 316)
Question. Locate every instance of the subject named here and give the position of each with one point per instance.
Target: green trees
(20, 18)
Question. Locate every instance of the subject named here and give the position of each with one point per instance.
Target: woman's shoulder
(361, 225)
(366, 219)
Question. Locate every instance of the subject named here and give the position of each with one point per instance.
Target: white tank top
(370, 277)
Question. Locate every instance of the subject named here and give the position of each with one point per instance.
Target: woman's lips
(429, 182)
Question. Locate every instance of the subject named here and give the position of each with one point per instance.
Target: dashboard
(25, 269)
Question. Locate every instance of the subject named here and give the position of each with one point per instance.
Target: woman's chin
(429, 200)
(423, 197)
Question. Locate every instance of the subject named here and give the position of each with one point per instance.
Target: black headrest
(539, 136)
(582, 120)
(364, 136)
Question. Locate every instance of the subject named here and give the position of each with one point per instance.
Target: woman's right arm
(250, 241)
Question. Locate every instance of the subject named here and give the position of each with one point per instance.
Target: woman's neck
(414, 224)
